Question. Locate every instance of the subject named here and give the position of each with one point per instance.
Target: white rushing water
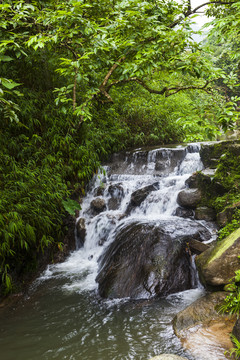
(121, 179)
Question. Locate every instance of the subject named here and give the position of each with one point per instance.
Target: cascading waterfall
(65, 318)
(167, 168)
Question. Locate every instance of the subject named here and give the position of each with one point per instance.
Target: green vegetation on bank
(80, 80)
(228, 176)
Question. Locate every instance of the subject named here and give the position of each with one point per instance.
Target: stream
(64, 317)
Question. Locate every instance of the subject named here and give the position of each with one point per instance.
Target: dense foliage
(82, 79)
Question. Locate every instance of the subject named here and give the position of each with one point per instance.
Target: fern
(236, 349)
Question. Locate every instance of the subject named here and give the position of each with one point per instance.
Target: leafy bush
(230, 227)
(236, 349)
(231, 304)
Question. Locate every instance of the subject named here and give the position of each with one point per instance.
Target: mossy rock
(218, 264)
(198, 180)
(226, 215)
(210, 153)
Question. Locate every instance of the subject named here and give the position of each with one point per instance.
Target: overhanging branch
(113, 68)
(190, 11)
(168, 91)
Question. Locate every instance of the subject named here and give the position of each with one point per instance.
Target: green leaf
(71, 206)
(9, 84)
(5, 58)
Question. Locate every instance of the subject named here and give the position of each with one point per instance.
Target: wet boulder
(167, 160)
(202, 329)
(99, 191)
(184, 213)
(212, 152)
(218, 264)
(189, 198)
(140, 195)
(227, 214)
(197, 247)
(198, 312)
(198, 179)
(98, 205)
(116, 192)
(205, 213)
(81, 230)
(148, 259)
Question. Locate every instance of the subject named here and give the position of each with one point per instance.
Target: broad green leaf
(9, 84)
(5, 58)
(71, 206)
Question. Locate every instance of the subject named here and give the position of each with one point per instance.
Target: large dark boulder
(115, 190)
(99, 191)
(148, 259)
(189, 198)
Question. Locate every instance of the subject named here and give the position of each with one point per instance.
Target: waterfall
(128, 220)
(165, 169)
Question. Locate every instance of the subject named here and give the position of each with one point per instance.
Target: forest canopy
(82, 79)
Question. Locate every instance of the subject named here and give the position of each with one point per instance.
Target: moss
(233, 222)
(228, 170)
(224, 245)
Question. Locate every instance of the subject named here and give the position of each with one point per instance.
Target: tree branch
(139, 81)
(165, 90)
(212, 2)
(74, 89)
(190, 12)
(104, 87)
(109, 74)
(189, 87)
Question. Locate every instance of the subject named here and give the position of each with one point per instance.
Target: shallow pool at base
(53, 324)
